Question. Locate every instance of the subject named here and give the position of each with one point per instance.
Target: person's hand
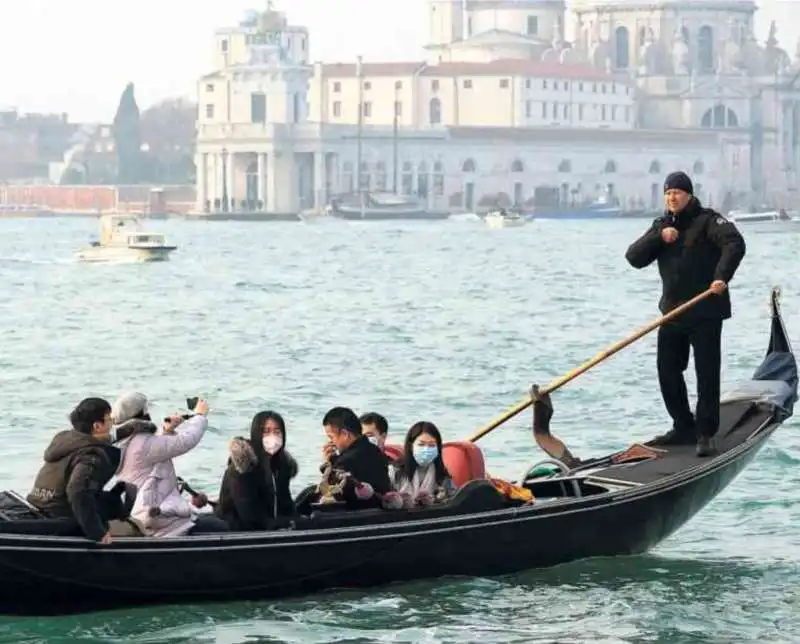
(199, 500)
(718, 287)
(171, 423)
(328, 452)
(201, 407)
(424, 498)
(106, 539)
(669, 235)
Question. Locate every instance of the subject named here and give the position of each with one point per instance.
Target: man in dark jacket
(349, 450)
(78, 464)
(696, 249)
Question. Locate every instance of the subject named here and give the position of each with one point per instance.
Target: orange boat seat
(393, 452)
(464, 461)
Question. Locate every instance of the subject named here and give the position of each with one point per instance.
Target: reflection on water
(628, 599)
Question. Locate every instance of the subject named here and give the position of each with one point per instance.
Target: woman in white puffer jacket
(159, 509)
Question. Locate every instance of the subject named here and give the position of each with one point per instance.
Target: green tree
(128, 139)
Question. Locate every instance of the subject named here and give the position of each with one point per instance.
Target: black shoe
(674, 437)
(705, 447)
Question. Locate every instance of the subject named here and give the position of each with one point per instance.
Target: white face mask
(272, 443)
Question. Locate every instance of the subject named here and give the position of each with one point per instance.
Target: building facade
(502, 107)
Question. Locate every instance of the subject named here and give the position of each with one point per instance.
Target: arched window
(435, 111)
(380, 176)
(655, 167)
(611, 167)
(469, 166)
(347, 177)
(366, 177)
(422, 180)
(517, 166)
(438, 179)
(705, 49)
(622, 48)
(408, 178)
(565, 165)
(720, 116)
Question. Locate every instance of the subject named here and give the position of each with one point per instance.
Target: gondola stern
(779, 366)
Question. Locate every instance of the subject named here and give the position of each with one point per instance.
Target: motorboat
(122, 240)
(321, 215)
(504, 219)
(624, 503)
(763, 216)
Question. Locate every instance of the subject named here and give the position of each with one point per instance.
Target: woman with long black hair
(421, 478)
(255, 493)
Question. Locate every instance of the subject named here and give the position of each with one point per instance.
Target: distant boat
(123, 240)
(379, 206)
(317, 215)
(763, 216)
(504, 219)
(600, 208)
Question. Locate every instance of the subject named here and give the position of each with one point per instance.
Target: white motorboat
(745, 217)
(321, 215)
(504, 219)
(122, 240)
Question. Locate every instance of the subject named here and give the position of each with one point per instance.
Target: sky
(76, 56)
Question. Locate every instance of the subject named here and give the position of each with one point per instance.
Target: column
(272, 183)
(233, 205)
(200, 182)
(216, 192)
(261, 159)
(320, 178)
(204, 182)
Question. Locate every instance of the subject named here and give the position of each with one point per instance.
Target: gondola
(623, 504)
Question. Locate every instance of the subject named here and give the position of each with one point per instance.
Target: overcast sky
(76, 56)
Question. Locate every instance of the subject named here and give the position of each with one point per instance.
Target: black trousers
(705, 339)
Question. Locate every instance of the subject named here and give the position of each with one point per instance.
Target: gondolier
(696, 249)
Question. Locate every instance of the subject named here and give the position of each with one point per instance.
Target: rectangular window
(258, 107)
(503, 83)
(367, 110)
(337, 109)
(468, 84)
(337, 87)
(210, 111)
(533, 25)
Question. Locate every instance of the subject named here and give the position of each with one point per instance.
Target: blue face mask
(424, 454)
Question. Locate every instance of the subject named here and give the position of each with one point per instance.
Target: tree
(127, 138)
(168, 130)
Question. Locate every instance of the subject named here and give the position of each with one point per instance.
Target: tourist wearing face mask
(255, 493)
(422, 478)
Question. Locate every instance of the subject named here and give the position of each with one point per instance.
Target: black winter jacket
(708, 248)
(255, 492)
(71, 481)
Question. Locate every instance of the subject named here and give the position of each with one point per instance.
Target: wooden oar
(600, 357)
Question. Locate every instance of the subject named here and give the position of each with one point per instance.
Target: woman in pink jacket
(159, 509)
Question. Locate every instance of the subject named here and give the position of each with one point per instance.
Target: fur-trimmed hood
(133, 426)
(243, 457)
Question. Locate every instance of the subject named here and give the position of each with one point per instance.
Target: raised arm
(645, 250)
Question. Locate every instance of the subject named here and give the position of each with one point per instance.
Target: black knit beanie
(679, 181)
